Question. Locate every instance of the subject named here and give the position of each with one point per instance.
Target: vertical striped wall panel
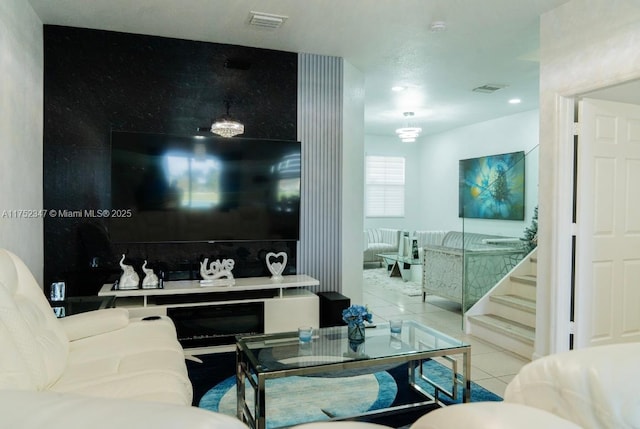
(320, 98)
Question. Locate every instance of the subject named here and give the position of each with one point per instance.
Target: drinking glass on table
(395, 327)
(305, 334)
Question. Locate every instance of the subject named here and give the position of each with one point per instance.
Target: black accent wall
(97, 81)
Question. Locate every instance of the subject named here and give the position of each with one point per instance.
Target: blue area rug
(294, 400)
(442, 376)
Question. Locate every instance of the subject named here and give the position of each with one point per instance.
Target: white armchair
(491, 415)
(591, 388)
(595, 387)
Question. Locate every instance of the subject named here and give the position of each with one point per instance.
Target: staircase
(506, 316)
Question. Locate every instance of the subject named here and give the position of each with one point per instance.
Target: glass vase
(355, 333)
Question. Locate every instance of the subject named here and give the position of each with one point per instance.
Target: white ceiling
(485, 42)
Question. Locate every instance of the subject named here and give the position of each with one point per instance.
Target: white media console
(274, 305)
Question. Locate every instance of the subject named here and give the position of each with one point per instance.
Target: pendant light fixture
(226, 126)
(408, 134)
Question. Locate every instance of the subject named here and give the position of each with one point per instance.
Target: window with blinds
(384, 181)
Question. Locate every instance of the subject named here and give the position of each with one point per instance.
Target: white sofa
(429, 238)
(380, 240)
(97, 369)
(590, 388)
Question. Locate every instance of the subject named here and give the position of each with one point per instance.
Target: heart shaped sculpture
(276, 267)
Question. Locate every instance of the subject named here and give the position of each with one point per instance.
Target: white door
(608, 224)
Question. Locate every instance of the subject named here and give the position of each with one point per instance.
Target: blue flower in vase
(354, 317)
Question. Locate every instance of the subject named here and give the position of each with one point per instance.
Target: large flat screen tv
(172, 188)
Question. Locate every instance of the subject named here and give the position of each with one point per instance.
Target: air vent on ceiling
(266, 20)
(489, 88)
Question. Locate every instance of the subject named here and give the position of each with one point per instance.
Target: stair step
(528, 279)
(515, 301)
(512, 329)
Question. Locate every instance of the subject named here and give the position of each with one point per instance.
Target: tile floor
(491, 367)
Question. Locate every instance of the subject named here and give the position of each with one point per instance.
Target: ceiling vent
(489, 88)
(266, 20)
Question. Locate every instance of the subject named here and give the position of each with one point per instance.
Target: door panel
(608, 234)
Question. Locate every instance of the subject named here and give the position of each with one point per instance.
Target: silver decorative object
(150, 280)
(275, 267)
(129, 278)
(217, 273)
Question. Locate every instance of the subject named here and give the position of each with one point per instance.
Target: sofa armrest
(491, 415)
(595, 387)
(53, 410)
(96, 322)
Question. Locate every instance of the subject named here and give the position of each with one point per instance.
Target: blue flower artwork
(492, 187)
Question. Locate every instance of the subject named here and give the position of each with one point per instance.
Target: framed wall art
(492, 187)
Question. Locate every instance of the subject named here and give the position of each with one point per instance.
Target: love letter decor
(217, 273)
(276, 268)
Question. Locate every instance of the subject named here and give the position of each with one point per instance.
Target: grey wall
(21, 68)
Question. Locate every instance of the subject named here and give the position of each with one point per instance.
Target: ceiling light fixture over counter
(226, 126)
(408, 134)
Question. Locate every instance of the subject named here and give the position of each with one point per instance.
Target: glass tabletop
(398, 258)
(282, 351)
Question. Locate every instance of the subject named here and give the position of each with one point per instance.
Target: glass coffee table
(263, 357)
(399, 266)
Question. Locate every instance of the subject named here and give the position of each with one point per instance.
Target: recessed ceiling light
(515, 101)
(438, 26)
(398, 88)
